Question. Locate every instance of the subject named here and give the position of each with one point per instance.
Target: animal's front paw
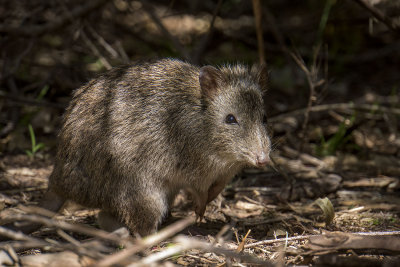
(200, 210)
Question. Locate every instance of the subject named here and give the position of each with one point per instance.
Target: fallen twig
(192, 243)
(17, 235)
(26, 242)
(68, 226)
(337, 106)
(187, 243)
(340, 240)
(278, 240)
(144, 243)
(269, 242)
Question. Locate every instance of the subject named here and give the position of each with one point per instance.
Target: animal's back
(132, 122)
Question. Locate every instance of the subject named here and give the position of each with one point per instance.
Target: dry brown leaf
(327, 209)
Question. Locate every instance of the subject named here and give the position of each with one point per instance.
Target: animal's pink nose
(262, 159)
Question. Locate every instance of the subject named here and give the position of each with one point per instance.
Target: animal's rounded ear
(261, 74)
(211, 80)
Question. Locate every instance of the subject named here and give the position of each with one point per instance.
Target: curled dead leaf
(327, 209)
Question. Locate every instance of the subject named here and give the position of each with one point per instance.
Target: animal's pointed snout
(262, 159)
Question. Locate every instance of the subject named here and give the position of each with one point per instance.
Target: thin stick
(178, 47)
(311, 85)
(26, 242)
(187, 243)
(269, 242)
(146, 242)
(378, 15)
(192, 243)
(100, 40)
(67, 226)
(122, 52)
(95, 51)
(201, 46)
(17, 235)
(12, 253)
(258, 21)
(242, 244)
(337, 106)
(87, 40)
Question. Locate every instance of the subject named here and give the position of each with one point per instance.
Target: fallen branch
(337, 106)
(340, 241)
(317, 237)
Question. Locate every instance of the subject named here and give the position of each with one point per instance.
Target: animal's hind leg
(108, 222)
(143, 213)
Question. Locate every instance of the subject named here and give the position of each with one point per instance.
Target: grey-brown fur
(132, 138)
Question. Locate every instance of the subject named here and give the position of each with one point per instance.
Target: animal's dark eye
(230, 119)
(265, 120)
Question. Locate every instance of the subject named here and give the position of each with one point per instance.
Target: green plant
(330, 146)
(27, 117)
(43, 92)
(376, 221)
(324, 20)
(35, 147)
